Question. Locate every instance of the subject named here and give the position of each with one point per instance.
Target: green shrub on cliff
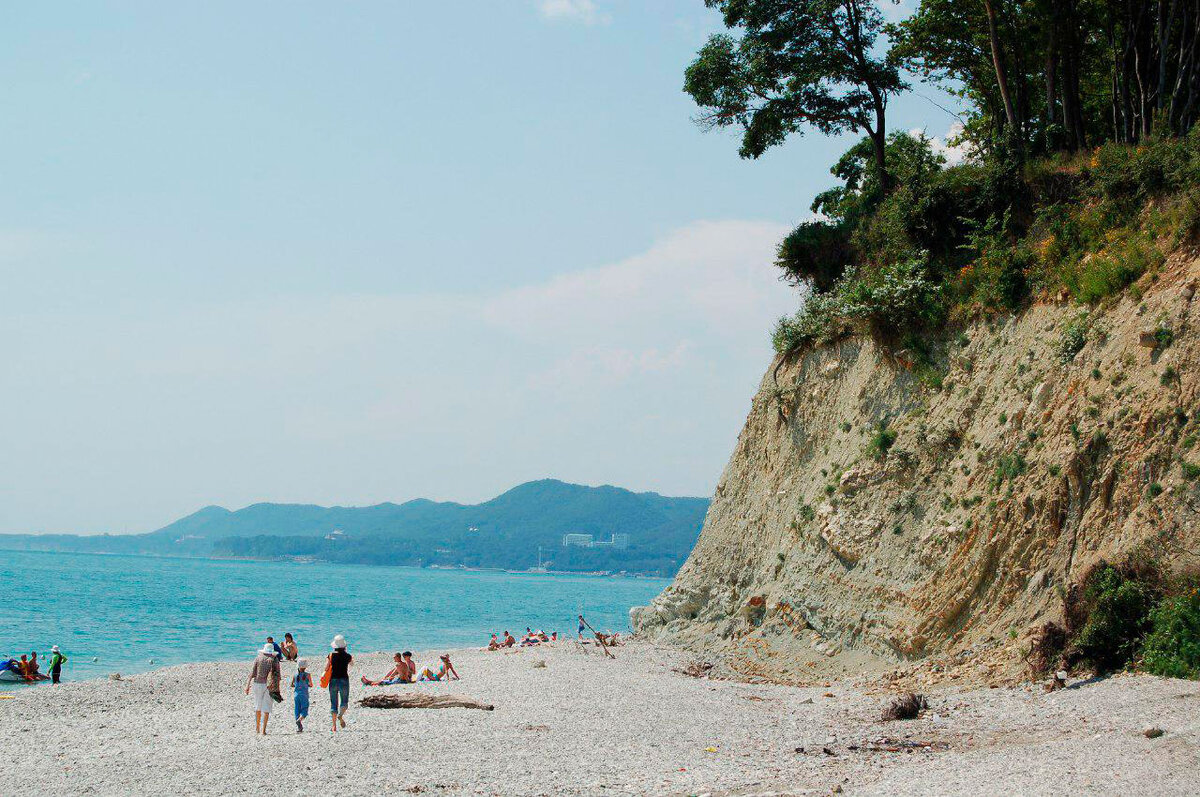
(887, 302)
(882, 441)
(1172, 648)
(1117, 605)
(948, 244)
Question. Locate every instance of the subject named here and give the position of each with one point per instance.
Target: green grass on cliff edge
(953, 244)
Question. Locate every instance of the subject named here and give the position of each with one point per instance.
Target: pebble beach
(569, 721)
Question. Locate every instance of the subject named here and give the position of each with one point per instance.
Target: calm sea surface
(126, 610)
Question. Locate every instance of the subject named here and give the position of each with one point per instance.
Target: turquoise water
(126, 610)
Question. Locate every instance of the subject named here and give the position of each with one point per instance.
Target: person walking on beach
(338, 667)
(57, 659)
(582, 624)
(264, 669)
(301, 683)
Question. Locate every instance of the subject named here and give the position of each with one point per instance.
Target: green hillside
(505, 532)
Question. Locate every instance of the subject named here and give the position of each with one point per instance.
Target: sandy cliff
(1003, 485)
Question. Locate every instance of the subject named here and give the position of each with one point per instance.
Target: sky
(353, 253)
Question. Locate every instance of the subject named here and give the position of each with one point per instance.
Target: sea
(129, 614)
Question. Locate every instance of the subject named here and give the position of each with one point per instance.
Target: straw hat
(338, 642)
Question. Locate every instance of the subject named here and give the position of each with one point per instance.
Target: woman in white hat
(57, 659)
(339, 680)
(265, 667)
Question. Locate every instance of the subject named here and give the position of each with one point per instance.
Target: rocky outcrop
(832, 548)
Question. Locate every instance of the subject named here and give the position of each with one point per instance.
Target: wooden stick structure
(599, 638)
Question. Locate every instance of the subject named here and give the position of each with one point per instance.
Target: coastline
(301, 560)
(584, 724)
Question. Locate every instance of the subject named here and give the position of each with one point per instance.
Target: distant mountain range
(505, 532)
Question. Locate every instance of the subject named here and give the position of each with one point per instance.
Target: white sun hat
(302, 663)
(267, 650)
(338, 642)
(54, 648)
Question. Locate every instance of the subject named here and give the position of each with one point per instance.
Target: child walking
(301, 683)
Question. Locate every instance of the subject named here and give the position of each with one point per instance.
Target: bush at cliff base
(1172, 648)
(1118, 603)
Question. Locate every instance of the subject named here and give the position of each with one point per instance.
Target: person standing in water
(339, 681)
(57, 660)
(265, 666)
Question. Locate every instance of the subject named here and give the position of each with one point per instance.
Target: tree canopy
(1035, 78)
(795, 64)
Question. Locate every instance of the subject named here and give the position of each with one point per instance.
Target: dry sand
(586, 725)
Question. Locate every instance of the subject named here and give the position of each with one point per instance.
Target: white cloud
(897, 10)
(636, 373)
(954, 153)
(584, 11)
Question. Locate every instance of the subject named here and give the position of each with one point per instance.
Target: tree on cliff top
(796, 63)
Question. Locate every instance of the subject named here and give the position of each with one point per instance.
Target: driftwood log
(423, 701)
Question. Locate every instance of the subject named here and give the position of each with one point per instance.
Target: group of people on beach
(29, 670)
(539, 637)
(531, 637)
(405, 671)
(263, 685)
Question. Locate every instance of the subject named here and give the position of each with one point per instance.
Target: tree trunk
(1052, 73)
(879, 149)
(1166, 29)
(1071, 100)
(998, 64)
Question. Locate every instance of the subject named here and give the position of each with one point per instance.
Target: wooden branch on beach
(599, 638)
(423, 701)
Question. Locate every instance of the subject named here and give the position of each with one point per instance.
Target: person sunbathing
(494, 644)
(397, 675)
(445, 673)
(509, 640)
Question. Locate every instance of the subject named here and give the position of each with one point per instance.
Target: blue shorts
(339, 694)
(301, 704)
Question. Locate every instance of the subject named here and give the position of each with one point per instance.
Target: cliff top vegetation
(1083, 166)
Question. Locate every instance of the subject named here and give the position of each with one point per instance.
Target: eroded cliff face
(819, 557)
